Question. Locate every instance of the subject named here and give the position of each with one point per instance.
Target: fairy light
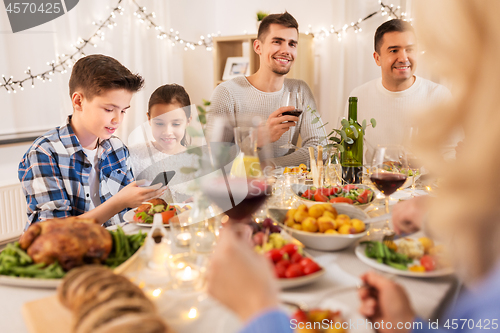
(147, 18)
(64, 61)
(385, 10)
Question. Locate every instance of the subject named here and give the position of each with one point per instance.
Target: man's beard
(281, 71)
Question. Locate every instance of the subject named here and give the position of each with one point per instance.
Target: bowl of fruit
(292, 266)
(358, 195)
(323, 226)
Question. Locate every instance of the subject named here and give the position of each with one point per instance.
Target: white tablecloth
(342, 269)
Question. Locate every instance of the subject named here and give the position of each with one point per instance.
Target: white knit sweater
(394, 111)
(147, 162)
(239, 102)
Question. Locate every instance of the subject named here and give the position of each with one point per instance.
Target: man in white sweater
(399, 95)
(240, 100)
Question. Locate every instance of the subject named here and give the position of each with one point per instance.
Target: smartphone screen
(163, 178)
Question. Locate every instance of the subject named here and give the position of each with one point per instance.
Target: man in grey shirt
(242, 99)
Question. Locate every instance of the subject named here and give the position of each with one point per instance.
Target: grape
(267, 223)
(275, 229)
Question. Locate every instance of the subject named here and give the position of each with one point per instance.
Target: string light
(64, 62)
(147, 18)
(385, 10)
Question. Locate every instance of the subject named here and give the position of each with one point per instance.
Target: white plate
(54, 283)
(285, 283)
(29, 282)
(301, 188)
(129, 217)
(360, 253)
(301, 280)
(328, 302)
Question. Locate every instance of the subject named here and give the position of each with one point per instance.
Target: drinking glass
(388, 170)
(333, 169)
(240, 194)
(414, 163)
(295, 99)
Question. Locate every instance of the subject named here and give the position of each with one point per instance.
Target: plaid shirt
(55, 172)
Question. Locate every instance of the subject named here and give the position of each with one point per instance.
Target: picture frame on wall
(236, 66)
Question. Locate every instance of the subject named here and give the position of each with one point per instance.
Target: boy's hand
(133, 195)
(277, 124)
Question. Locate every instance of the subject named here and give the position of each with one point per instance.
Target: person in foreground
(243, 281)
(467, 224)
(241, 99)
(399, 95)
(80, 168)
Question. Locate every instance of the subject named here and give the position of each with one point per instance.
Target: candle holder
(188, 271)
(180, 234)
(152, 270)
(203, 238)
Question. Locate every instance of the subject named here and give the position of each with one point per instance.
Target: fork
(388, 239)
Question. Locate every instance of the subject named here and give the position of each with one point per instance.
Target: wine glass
(414, 163)
(295, 99)
(240, 194)
(388, 170)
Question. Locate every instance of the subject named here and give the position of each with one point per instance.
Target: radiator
(13, 216)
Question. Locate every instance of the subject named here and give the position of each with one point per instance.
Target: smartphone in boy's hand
(163, 178)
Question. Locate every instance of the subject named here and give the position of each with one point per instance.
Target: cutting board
(47, 315)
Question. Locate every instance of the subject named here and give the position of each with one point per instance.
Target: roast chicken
(71, 241)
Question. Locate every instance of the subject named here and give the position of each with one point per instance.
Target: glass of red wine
(388, 170)
(241, 194)
(238, 197)
(292, 98)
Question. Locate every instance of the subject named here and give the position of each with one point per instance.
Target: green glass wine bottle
(351, 158)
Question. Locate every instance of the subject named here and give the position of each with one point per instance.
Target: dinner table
(335, 290)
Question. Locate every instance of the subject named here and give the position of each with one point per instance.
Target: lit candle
(187, 275)
(193, 313)
(183, 239)
(203, 242)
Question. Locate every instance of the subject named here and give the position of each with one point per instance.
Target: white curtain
(48, 104)
(339, 66)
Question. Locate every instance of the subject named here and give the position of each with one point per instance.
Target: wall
(340, 66)
(10, 157)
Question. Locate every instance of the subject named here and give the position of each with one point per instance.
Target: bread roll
(103, 302)
(88, 321)
(75, 277)
(134, 323)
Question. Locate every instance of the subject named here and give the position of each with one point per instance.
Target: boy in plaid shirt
(80, 168)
